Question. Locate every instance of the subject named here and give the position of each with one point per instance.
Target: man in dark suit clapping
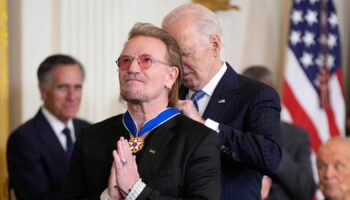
(38, 151)
(244, 112)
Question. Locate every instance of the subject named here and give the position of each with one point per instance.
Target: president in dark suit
(38, 151)
(244, 112)
(158, 153)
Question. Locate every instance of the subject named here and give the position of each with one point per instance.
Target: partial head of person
(198, 32)
(333, 165)
(150, 66)
(260, 73)
(60, 83)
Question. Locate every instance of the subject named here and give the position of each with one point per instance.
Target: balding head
(333, 164)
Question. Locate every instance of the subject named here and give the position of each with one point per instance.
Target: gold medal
(136, 144)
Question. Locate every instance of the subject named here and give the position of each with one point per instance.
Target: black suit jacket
(294, 178)
(180, 160)
(37, 162)
(250, 135)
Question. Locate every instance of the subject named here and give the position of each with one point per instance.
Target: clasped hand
(124, 174)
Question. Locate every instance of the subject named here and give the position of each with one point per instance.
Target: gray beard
(134, 99)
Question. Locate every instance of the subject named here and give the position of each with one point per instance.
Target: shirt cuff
(136, 190)
(212, 124)
(104, 195)
(133, 194)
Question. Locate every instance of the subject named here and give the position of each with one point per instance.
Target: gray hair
(206, 21)
(52, 62)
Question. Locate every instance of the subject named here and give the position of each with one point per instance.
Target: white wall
(94, 31)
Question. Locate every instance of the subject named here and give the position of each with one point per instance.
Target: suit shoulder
(81, 122)
(26, 129)
(254, 86)
(288, 127)
(254, 90)
(104, 123)
(26, 134)
(294, 131)
(197, 129)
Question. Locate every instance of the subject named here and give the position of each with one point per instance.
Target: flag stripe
(306, 95)
(337, 101)
(333, 129)
(299, 116)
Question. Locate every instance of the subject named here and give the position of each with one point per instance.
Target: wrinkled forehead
(334, 151)
(139, 45)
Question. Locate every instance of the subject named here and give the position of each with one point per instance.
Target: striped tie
(196, 97)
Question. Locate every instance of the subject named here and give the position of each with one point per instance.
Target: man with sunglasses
(245, 113)
(158, 153)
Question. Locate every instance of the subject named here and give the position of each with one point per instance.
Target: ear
(42, 91)
(172, 75)
(215, 42)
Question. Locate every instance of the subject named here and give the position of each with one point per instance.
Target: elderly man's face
(198, 53)
(139, 85)
(62, 93)
(333, 163)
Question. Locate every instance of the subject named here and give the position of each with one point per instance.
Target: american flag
(313, 96)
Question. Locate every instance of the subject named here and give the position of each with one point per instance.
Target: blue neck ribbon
(165, 115)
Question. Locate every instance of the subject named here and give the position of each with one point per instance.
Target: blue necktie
(196, 97)
(69, 140)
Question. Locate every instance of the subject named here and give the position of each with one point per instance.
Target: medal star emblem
(136, 144)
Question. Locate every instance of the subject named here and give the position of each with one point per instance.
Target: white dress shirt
(58, 126)
(209, 90)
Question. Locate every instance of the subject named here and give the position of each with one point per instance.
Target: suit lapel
(222, 95)
(50, 140)
(117, 130)
(158, 142)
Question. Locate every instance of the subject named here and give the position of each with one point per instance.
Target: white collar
(56, 124)
(211, 85)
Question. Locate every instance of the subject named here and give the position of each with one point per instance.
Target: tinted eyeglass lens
(144, 62)
(124, 62)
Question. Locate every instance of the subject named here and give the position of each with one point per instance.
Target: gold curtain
(4, 99)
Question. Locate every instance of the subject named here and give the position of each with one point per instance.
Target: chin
(331, 194)
(188, 84)
(70, 114)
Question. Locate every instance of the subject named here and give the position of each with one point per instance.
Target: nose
(329, 171)
(70, 93)
(73, 93)
(134, 66)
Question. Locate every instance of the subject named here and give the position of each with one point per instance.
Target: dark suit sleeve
(202, 178)
(258, 143)
(295, 172)
(28, 175)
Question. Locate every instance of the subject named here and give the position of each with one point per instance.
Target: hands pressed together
(124, 174)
